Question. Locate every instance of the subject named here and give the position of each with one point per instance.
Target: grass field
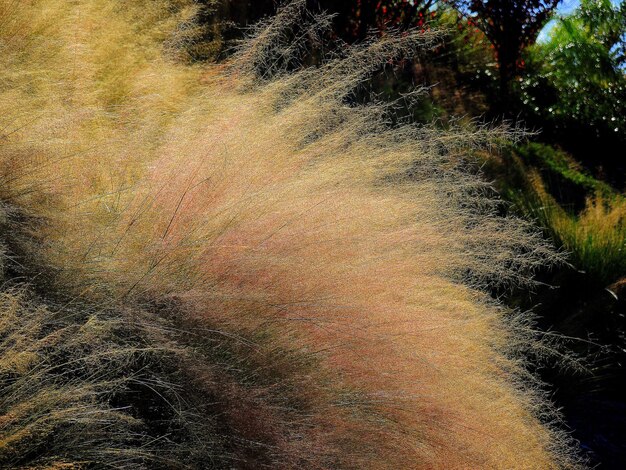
(230, 266)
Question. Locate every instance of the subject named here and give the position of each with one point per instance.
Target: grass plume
(323, 272)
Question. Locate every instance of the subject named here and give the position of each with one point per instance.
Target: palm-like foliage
(582, 63)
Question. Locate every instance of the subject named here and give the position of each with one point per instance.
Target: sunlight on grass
(596, 238)
(585, 216)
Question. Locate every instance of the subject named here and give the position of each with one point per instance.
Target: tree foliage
(578, 80)
(510, 25)
(357, 18)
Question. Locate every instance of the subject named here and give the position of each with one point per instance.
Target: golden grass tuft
(341, 263)
(595, 237)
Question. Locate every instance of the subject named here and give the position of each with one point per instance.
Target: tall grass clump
(585, 216)
(59, 377)
(595, 237)
(60, 370)
(321, 274)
